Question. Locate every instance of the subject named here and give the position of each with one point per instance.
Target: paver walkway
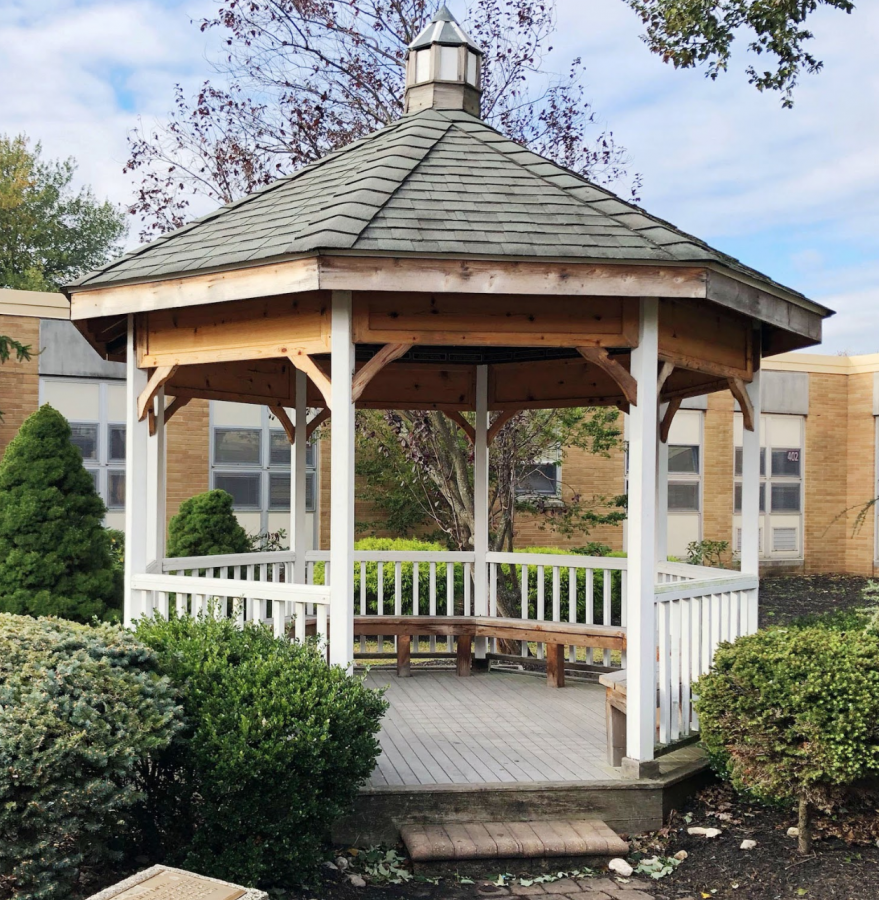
(576, 889)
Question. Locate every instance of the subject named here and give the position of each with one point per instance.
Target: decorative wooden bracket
(170, 409)
(145, 401)
(665, 426)
(281, 415)
(317, 421)
(664, 372)
(625, 380)
(462, 423)
(305, 363)
(500, 420)
(740, 392)
(386, 355)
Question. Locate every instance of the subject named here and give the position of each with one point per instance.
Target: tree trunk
(804, 843)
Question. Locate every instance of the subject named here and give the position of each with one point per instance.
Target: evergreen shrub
(206, 526)
(80, 709)
(275, 748)
(55, 554)
(792, 714)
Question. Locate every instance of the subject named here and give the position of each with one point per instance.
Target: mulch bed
(783, 598)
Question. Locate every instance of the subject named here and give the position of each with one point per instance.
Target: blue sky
(793, 193)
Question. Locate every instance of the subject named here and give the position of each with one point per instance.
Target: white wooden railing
(697, 607)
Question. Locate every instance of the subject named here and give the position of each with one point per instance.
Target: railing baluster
(468, 575)
(363, 603)
(675, 668)
(525, 604)
(590, 610)
(450, 601)
(572, 608)
(492, 598)
(416, 587)
(541, 606)
(380, 569)
(432, 601)
(662, 640)
(607, 596)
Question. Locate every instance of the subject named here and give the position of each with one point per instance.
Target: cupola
(443, 68)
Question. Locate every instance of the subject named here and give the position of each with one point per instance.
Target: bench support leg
(465, 654)
(555, 665)
(404, 655)
(616, 734)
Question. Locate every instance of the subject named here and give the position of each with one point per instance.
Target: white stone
(793, 832)
(341, 863)
(681, 855)
(357, 880)
(748, 845)
(698, 831)
(620, 867)
(329, 865)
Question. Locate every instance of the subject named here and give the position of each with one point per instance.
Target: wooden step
(512, 840)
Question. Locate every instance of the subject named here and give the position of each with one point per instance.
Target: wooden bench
(615, 714)
(556, 636)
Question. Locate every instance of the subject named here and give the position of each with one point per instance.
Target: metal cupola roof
(444, 29)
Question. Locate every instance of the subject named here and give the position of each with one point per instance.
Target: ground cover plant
(275, 747)
(81, 708)
(55, 554)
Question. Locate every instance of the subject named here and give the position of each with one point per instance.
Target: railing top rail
(229, 587)
(691, 572)
(176, 563)
(570, 560)
(701, 587)
(419, 556)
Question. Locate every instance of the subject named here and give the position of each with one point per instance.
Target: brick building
(819, 431)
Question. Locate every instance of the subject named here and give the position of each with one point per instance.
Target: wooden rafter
(386, 355)
(664, 373)
(280, 414)
(145, 401)
(500, 420)
(317, 421)
(739, 391)
(455, 416)
(306, 364)
(665, 426)
(624, 379)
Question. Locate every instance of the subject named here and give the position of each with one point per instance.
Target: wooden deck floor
(501, 727)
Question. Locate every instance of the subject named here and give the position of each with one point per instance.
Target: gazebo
(436, 264)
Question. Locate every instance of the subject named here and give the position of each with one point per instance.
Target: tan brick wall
(717, 484)
(826, 453)
(860, 471)
(188, 440)
(19, 382)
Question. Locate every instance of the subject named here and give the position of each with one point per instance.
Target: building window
(684, 478)
(540, 480)
(96, 413)
(251, 461)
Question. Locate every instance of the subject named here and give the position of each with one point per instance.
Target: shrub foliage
(80, 709)
(793, 714)
(276, 745)
(55, 554)
(206, 526)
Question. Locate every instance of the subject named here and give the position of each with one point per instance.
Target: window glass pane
(94, 473)
(310, 456)
(683, 496)
(472, 67)
(683, 460)
(786, 463)
(422, 66)
(310, 489)
(737, 498)
(85, 437)
(762, 461)
(540, 479)
(785, 498)
(116, 489)
(448, 64)
(238, 446)
(116, 441)
(279, 490)
(244, 488)
(279, 448)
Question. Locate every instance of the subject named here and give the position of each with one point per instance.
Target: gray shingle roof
(436, 181)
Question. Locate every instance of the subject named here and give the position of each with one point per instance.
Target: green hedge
(80, 709)
(276, 746)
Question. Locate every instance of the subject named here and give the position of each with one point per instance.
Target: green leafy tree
(49, 232)
(205, 526)
(55, 554)
(690, 33)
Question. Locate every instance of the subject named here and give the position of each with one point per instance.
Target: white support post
(641, 623)
(342, 485)
(750, 555)
(661, 494)
(298, 538)
(156, 487)
(137, 437)
(480, 504)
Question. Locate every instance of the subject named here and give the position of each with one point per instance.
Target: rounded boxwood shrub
(792, 714)
(80, 709)
(55, 554)
(275, 748)
(206, 526)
